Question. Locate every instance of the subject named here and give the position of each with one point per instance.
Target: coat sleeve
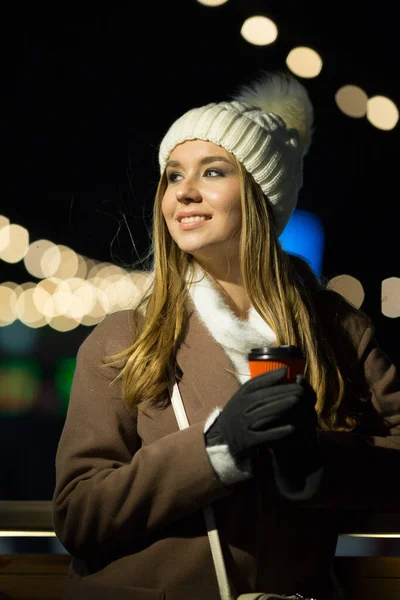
(361, 467)
(110, 490)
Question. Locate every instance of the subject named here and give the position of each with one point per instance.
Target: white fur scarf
(237, 337)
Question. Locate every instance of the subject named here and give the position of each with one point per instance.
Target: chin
(191, 250)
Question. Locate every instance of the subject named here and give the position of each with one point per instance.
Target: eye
(173, 177)
(213, 173)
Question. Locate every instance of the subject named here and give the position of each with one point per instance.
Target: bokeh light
(8, 302)
(27, 311)
(82, 267)
(42, 259)
(44, 296)
(14, 243)
(212, 2)
(63, 323)
(22, 287)
(304, 62)
(4, 221)
(391, 297)
(69, 263)
(352, 101)
(382, 113)
(90, 264)
(259, 30)
(349, 287)
(95, 267)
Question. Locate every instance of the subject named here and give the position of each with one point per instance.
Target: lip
(194, 225)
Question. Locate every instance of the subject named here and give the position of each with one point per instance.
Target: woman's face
(201, 205)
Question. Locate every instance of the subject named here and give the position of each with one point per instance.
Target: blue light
(304, 236)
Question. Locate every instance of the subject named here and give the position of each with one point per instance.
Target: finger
(276, 408)
(277, 433)
(266, 379)
(270, 422)
(277, 393)
(290, 411)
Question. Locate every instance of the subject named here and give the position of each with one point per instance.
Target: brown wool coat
(130, 486)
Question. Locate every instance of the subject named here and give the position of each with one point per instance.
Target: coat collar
(236, 336)
(207, 377)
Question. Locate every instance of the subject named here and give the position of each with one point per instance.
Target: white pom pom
(285, 96)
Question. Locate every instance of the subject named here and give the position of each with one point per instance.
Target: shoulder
(115, 333)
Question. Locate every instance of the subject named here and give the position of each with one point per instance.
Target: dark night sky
(87, 96)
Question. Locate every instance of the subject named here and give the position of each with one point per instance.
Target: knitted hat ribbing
(267, 126)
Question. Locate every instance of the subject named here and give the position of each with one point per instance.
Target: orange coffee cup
(262, 360)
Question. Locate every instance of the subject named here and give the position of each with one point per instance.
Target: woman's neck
(229, 281)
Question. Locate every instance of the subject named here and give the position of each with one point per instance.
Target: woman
(278, 461)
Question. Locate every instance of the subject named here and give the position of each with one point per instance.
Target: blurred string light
(27, 311)
(73, 290)
(212, 2)
(259, 30)
(8, 302)
(304, 62)
(69, 263)
(42, 259)
(66, 303)
(14, 242)
(3, 221)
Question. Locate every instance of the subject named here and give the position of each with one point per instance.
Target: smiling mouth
(195, 219)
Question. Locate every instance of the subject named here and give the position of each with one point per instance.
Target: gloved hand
(265, 411)
(297, 459)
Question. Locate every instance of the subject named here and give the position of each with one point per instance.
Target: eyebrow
(204, 161)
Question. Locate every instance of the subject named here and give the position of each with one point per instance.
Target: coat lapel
(207, 373)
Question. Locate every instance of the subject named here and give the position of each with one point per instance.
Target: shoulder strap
(213, 535)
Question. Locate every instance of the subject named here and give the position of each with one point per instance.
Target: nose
(188, 192)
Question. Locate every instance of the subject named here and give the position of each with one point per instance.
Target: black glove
(297, 459)
(265, 411)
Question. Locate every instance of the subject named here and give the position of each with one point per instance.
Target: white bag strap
(213, 535)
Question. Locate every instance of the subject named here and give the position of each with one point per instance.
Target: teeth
(192, 219)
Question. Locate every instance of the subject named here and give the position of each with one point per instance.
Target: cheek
(236, 218)
(165, 206)
(168, 211)
(234, 209)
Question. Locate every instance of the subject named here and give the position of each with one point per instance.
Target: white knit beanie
(267, 126)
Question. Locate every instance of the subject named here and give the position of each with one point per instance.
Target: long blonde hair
(278, 285)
